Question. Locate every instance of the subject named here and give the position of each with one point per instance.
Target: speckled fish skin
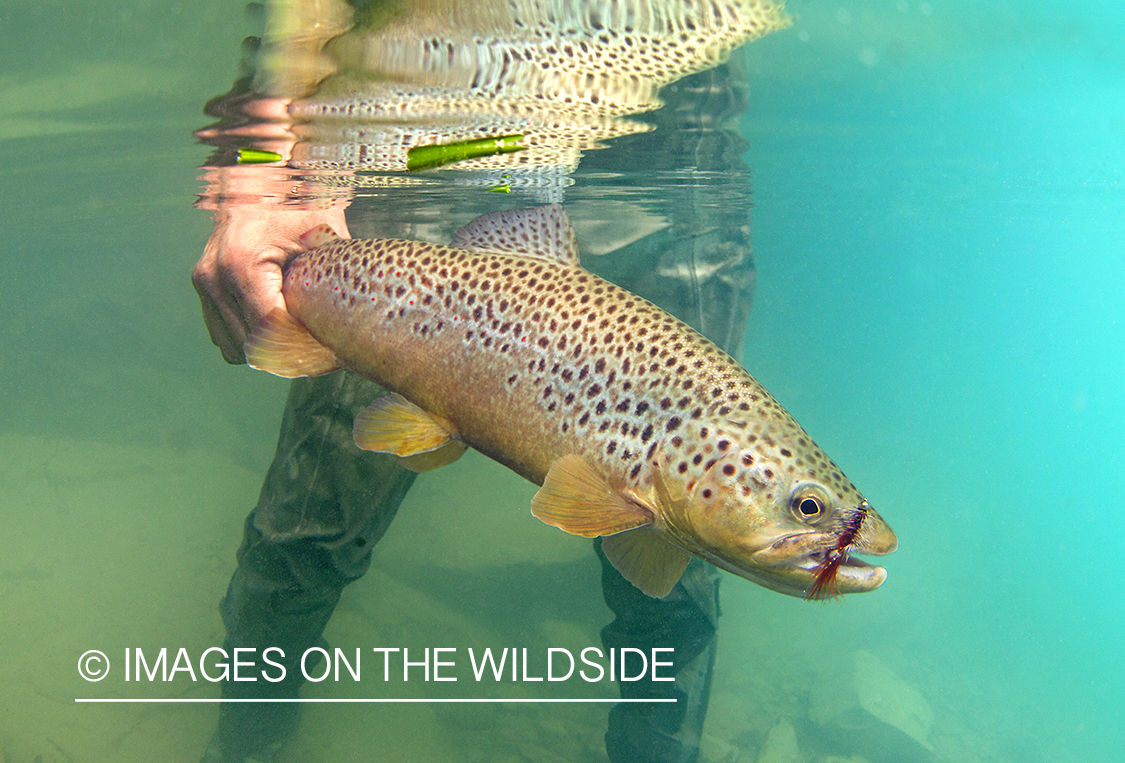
(534, 359)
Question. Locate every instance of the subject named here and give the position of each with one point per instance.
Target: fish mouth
(791, 564)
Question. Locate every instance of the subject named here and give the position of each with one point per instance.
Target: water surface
(938, 228)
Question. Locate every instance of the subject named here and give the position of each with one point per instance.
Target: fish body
(637, 427)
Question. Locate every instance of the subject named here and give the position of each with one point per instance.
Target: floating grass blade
(257, 156)
(438, 154)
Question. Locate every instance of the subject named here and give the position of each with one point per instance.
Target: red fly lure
(824, 587)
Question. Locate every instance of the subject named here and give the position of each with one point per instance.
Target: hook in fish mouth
(818, 564)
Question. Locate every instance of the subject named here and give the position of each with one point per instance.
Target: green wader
(325, 503)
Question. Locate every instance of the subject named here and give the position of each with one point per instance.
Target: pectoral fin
(281, 345)
(646, 561)
(673, 501)
(578, 500)
(393, 424)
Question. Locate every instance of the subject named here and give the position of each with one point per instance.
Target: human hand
(239, 275)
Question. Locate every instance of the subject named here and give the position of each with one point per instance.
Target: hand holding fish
(239, 276)
(638, 429)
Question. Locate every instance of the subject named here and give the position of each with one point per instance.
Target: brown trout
(638, 428)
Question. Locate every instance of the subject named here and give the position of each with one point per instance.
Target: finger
(256, 291)
(219, 327)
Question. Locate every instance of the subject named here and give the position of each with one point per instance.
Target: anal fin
(578, 500)
(393, 424)
(280, 345)
(646, 561)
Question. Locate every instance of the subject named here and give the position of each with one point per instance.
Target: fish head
(775, 510)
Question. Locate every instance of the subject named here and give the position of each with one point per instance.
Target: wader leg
(322, 508)
(701, 269)
(685, 620)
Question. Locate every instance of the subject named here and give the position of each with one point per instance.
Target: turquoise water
(938, 221)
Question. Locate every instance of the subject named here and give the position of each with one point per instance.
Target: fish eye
(807, 506)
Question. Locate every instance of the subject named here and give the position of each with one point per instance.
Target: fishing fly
(824, 586)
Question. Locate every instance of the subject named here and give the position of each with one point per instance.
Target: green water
(938, 221)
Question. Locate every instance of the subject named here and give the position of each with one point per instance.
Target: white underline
(367, 699)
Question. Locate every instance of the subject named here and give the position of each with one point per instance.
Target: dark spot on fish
(786, 452)
(697, 459)
(706, 492)
(609, 449)
(569, 398)
(594, 390)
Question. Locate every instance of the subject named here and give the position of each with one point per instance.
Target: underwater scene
(596, 540)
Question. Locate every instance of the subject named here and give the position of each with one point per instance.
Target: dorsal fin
(542, 232)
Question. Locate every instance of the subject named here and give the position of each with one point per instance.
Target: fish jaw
(788, 559)
(791, 563)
